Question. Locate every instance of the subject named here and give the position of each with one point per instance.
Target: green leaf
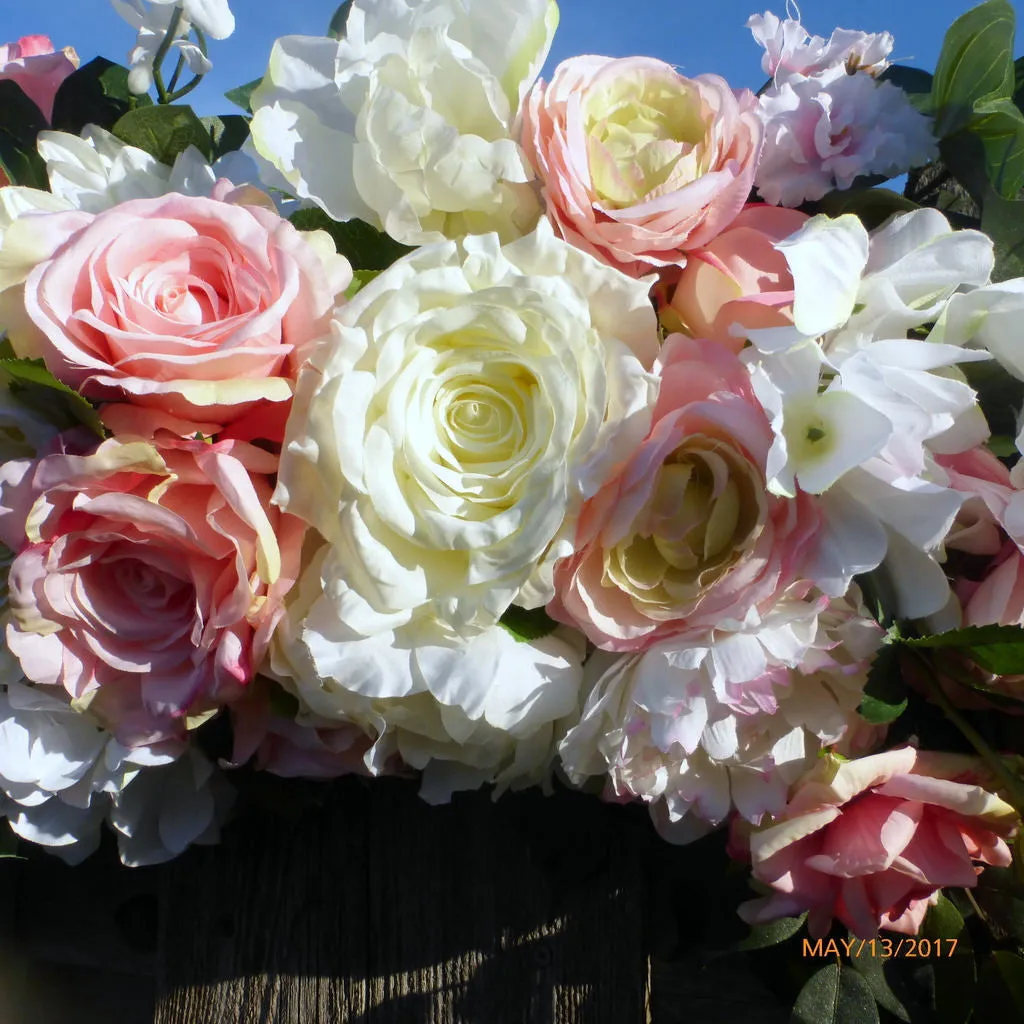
(999, 124)
(97, 93)
(915, 82)
(527, 624)
(1000, 395)
(164, 131)
(955, 976)
(339, 21)
(872, 969)
(997, 649)
(873, 206)
(1018, 84)
(1001, 988)
(835, 995)
(241, 95)
(227, 132)
(885, 694)
(20, 122)
(764, 935)
(976, 64)
(8, 842)
(360, 279)
(34, 385)
(362, 245)
(1000, 897)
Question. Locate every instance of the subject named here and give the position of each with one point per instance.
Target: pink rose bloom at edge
(687, 537)
(738, 278)
(870, 842)
(149, 572)
(38, 71)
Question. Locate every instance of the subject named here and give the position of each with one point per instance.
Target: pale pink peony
(686, 537)
(870, 842)
(738, 278)
(149, 572)
(32, 63)
(201, 307)
(640, 164)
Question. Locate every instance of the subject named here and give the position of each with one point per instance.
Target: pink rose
(640, 164)
(686, 537)
(738, 278)
(871, 841)
(202, 308)
(32, 63)
(989, 529)
(149, 572)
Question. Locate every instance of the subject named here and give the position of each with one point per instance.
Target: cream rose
(471, 398)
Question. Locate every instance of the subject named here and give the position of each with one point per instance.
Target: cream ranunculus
(443, 440)
(407, 122)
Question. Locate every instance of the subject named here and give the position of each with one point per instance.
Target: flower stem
(177, 73)
(185, 89)
(161, 53)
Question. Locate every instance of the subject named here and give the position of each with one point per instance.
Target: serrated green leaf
(339, 21)
(762, 936)
(164, 131)
(362, 245)
(835, 995)
(997, 649)
(975, 65)
(885, 693)
(98, 94)
(241, 95)
(36, 386)
(360, 279)
(227, 132)
(527, 624)
(20, 122)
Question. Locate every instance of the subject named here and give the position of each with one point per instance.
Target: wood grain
(373, 907)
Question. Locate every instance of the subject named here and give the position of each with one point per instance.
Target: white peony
(409, 121)
(704, 728)
(442, 441)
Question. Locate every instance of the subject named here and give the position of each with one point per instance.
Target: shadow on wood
(376, 908)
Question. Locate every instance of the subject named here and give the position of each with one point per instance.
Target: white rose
(408, 122)
(465, 713)
(443, 439)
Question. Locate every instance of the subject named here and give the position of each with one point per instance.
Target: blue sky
(695, 35)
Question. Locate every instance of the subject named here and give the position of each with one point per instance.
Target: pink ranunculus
(149, 572)
(38, 70)
(871, 841)
(204, 308)
(640, 164)
(738, 278)
(686, 537)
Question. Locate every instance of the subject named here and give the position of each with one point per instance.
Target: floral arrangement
(614, 429)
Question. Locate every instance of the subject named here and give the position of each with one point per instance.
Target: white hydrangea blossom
(408, 122)
(859, 406)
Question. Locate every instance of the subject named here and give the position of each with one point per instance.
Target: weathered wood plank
(376, 908)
